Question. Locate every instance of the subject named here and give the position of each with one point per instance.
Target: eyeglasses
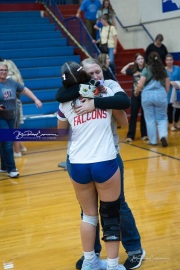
(3, 70)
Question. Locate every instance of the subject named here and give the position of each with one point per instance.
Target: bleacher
(38, 50)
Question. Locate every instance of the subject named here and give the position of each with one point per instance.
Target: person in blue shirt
(173, 72)
(90, 8)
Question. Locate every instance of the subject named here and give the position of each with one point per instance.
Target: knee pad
(93, 220)
(110, 220)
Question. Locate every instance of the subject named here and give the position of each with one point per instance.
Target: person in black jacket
(157, 46)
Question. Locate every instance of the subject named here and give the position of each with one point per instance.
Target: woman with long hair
(154, 84)
(134, 69)
(14, 74)
(108, 70)
(8, 91)
(108, 38)
(107, 9)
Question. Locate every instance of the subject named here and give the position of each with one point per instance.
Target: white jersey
(92, 138)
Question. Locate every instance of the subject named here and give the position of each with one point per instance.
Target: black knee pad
(110, 220)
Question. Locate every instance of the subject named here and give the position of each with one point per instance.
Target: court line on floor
(150, 150)
(32, 174)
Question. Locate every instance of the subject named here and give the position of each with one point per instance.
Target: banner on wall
(170, 5)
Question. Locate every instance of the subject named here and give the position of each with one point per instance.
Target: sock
(89, 255)
(112, 263)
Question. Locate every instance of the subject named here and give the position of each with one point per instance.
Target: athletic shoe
(134, 261)
(164, 142)
(14, 173)
(119, 267)
(17, 154)
(94, 264)
(63, 165)
(80, 261)
(144, 138)
(23, 149)
(173, 129)
(129, 140)
(3, 171)
(149, 143)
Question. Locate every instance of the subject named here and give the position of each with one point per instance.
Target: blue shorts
(99, 172)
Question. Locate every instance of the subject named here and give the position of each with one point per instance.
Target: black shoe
(164, 142)
(79, 263)
(134, 261)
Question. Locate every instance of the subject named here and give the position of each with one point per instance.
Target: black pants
(173, 114)
(135, 108)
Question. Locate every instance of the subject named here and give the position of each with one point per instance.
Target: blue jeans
(111, 55)
(6, 148)
(130, 237)
(154, 103)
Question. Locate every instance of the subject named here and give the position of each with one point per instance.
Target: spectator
(156, 84)
(158, 47)
(90, 8)
(98, 27)
(107, 9)
(108, 35)
(14, 74)
(8, 91)
(134, 69)
(107, 68)
(174, 74)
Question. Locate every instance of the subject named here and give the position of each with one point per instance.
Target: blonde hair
(3, 63)
(13, 71)
(102, 58)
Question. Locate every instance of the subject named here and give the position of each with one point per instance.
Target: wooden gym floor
(40, 216)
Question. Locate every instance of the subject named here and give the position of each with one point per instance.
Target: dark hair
(106, 18)
(159, 37)
(156, 66)
(135, 67)
(110, 8)
(72, 73)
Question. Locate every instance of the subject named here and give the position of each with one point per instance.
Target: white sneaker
(3, 171)
(95, 264)
(119, 267)
(14, 174)
(144, 138)
(23, 149)
(17, 154)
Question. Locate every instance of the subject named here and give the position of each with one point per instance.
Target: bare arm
(123, 70)
(78, 14)
(63, 129)
(27, 92)
(120, 117)
(62, 124)
(140, 85)
(167, 84)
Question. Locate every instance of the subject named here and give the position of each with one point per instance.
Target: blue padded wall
(39, 51)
